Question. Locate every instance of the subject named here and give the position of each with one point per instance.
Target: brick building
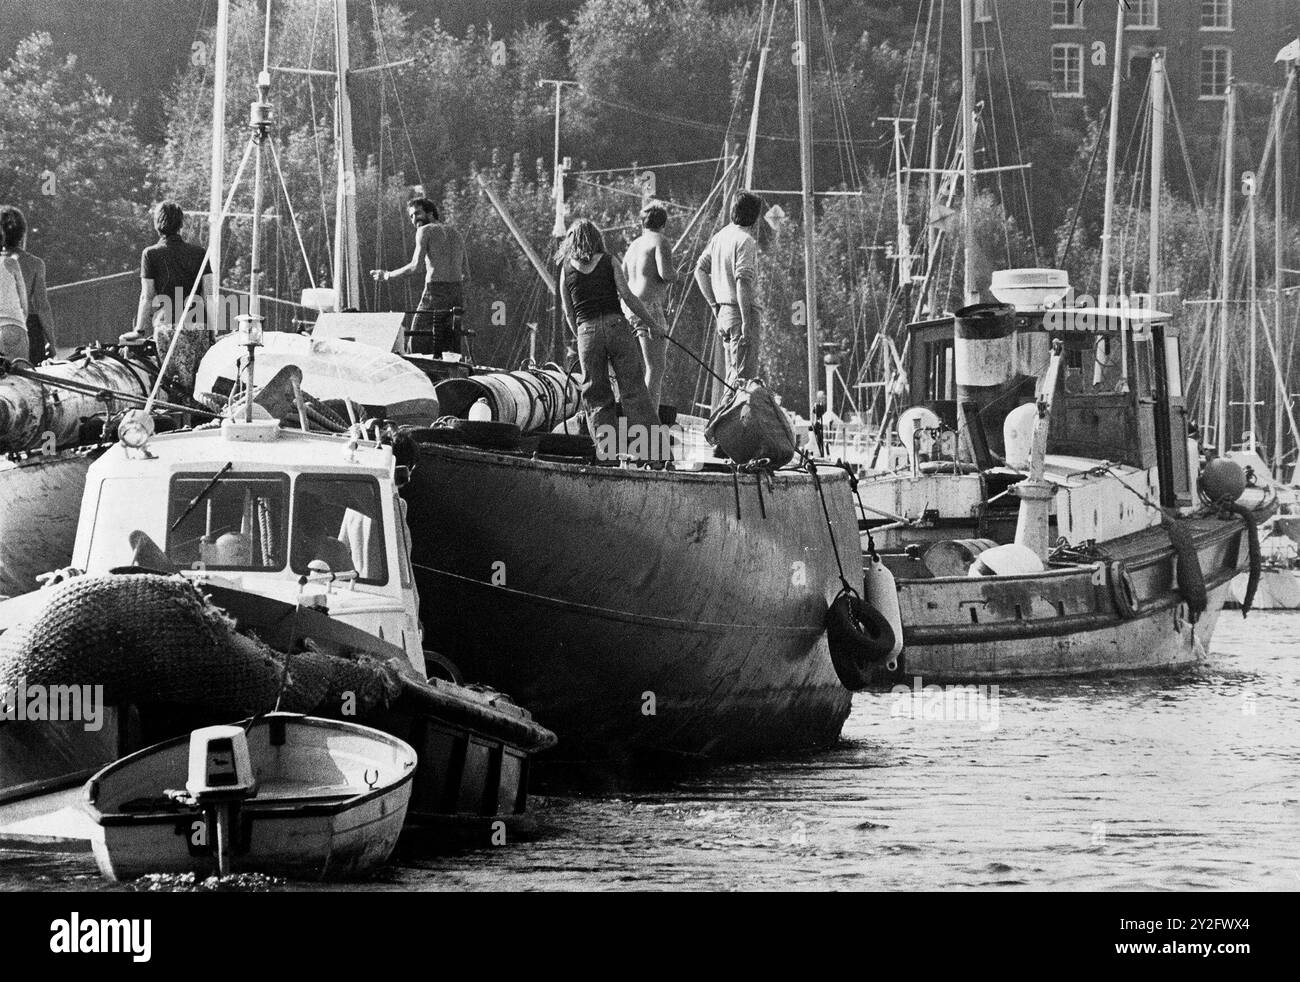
(1062, 47)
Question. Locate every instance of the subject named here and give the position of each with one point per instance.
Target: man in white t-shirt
(13, 294)
(727, 274)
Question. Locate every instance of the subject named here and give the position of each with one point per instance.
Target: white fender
(881, 592)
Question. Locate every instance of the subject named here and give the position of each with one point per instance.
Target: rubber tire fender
(1123, 590)
(859, 637)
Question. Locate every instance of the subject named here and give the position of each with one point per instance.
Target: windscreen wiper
(194, 503)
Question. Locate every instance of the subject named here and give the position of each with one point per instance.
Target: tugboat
(1072, 544)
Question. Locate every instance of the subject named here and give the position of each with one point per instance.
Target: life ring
(1124, 591)
(484, 433)
(859, 637)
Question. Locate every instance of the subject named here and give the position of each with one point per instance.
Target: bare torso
(641, 265)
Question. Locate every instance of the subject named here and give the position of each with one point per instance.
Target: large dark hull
(636, 611)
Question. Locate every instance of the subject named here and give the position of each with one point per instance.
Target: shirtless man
(648, 266)
(441, 250)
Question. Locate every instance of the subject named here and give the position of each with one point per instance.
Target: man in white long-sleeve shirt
(727, 274)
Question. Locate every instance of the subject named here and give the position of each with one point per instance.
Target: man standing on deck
(442, 251)
(648, 266)
(170, 271)
(727, 274)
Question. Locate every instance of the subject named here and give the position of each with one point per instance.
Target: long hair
(581, 243)
(13, 228)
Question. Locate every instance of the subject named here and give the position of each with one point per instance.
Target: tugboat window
(231, 520)
(339, 520)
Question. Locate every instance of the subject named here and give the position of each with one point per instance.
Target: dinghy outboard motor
(220, 776)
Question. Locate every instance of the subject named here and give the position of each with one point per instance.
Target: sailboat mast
(216, 185)
(1225, 268)
(1112, 150)
(1279, 396)
(968, 146)
(806, 176)
(347, 257)
(1157, 172)
(1251, 401)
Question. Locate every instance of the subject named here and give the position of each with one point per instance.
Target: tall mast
(216, 185)
(347, 257)
(806, 176)
(260, 116)
(1157, 172)
(968, 145)
(1249, 189)
(1283, 373)
(751, 145)
(1112, 149)
(1225, 268)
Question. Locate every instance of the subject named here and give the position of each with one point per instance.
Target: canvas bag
(750, 425)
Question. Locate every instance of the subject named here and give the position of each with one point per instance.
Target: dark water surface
(1174, 782)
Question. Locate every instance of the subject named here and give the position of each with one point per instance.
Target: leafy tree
(72, 161)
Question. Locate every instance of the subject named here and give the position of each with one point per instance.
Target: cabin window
(1173, 368)
(1143, 367)
(339, 520)
(940, 375)
(225, 519)
(119, 522)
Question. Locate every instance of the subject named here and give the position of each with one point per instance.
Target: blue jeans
(608, 341)
(432, 327)
(741, 349)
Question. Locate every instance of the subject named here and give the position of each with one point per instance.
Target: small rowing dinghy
(282, 794)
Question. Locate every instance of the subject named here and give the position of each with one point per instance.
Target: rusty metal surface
(38, 519)
(633, 610)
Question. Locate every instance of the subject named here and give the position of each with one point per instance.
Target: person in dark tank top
(590, 286)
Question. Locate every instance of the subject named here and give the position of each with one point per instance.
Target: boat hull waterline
(637, 611)
(1067, 622)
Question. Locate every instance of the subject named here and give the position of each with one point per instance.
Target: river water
(1185, 782)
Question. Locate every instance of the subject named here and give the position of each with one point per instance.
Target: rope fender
(1191, 578)
(1256, 558)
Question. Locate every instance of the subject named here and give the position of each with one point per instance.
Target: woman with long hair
(590, 285)
(14, 342)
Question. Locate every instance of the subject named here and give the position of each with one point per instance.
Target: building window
(1216, 15)
(1067, 71)
(1143, 14)
(1216, 69)
(1067, 13)
(983, 10)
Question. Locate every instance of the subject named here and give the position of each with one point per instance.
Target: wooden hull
(38, 522)
(319, 814)
(635, 611)
(1066, 622)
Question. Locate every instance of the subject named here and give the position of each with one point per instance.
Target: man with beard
(441, 249)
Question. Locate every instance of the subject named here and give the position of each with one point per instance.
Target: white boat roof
(209, 449)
